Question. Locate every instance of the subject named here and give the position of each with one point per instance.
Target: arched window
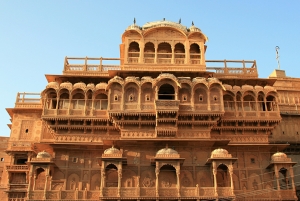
(164, 53)
(78, 101)
(133, 52)
(64, 100)
(166, 92)
(271, 103)
(195, 54)
(149, 52)
(179, 53)
(101, 102)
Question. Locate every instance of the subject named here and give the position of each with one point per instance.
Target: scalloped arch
(150, 30)
(128, 32)
(203, 36)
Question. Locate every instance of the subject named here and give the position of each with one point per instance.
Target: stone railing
(17, 168)
(110, 192)
(64, 195)
(168, 192)
(189, 192)
(246, 69)
(28, 100)
(88, 65)
(225, 192)
(167, 104)
(207, 192)
(148, 192)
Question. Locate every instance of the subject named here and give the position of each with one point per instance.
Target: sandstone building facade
(164, 124)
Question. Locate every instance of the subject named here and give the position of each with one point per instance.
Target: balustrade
(167, 104)
(17, 167)
(168, 192)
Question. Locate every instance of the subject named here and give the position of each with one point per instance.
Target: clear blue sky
(35, 36)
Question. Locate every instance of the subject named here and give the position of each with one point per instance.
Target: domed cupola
(167, 153)
(193, 28)
(220, 153)
(43, 154)
(279, 156)
(112, 153)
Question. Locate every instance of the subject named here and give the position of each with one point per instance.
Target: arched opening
(111, 172)
(164, 53)
(223, 178)
(64, 100)
(195, 54)
(166, 92)
(167, 176)
(271, 103)
(283, 179)
(51, 101)
(40, 179)
(249, 103)
(101, 102)
(228, 102)
(179, 53)
(149, 52)
(133, 52)
(78, 101)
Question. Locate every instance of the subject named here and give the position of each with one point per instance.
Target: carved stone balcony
(17, 168)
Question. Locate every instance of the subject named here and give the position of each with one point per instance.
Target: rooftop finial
(134, 21)
(192, 23)
(179, 21)
(164, 19)
(277, 56)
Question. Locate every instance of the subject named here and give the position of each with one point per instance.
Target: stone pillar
(155, 52)
(29, 184)
(141, 54)
(231, 178)
(34, 179)
(208, 100)
(215, 178)
(173, 55)
(277, 177)
(109, 99)
(178, 181)
(292, 178)
(119, 178)
(156, 181)
(45, 188)
(102, 182)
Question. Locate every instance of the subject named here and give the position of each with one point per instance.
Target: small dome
(193, 28)
(220, 153)
(43, 154)
(112, 151)
(278, 156)
(166, 151)
(134, 26)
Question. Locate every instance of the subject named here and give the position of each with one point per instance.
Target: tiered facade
(165, 124)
